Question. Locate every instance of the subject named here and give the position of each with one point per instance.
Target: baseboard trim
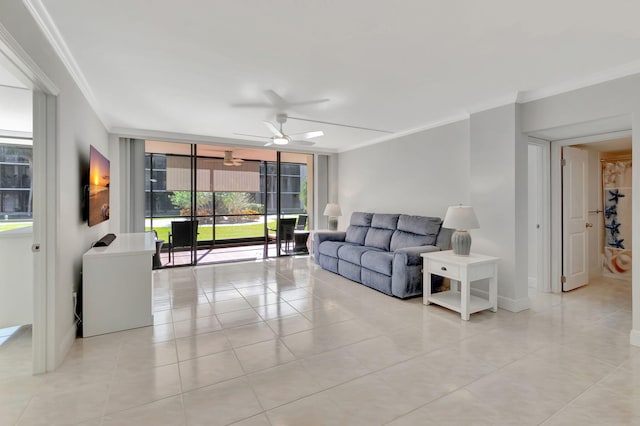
(634, 337)
(65, 345)
(508, 304)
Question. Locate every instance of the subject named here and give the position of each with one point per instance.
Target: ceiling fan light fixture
(280, 140)
(229, 160)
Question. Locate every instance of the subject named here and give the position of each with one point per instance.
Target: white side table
(462, 269)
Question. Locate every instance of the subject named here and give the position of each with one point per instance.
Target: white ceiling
(178, 66)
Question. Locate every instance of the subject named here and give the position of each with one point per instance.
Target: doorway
(597, 144)
(17, 69)
(607, 210)
(16, 225)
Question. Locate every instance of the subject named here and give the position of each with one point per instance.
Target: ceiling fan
(280, 138)
(278, 102)
(229, 160)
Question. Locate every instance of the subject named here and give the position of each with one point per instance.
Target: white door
(575, 266)
(534, 217)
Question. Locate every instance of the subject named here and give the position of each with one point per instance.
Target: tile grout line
(182, 403)
(593, 385)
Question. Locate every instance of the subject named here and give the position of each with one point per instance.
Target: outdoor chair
(302, 222)
(285, 233)
(183, 234)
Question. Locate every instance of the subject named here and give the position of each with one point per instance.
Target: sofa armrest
(411, 255)
(444, 238)
(321, 236)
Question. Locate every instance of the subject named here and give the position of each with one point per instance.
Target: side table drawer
(479, 272)
(444, 269)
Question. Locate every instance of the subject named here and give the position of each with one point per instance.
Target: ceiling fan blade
(275, 99)
(314, 102)
(273, 129)
(308, 135)
(303, 143)
(338, 124)
(268, 143)
(253, 136)
(252, 105)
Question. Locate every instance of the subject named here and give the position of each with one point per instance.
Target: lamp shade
(332, 210)
(460, 217)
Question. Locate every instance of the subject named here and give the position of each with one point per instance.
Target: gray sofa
(382, 251)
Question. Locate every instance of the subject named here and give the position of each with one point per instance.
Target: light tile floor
(282, 342)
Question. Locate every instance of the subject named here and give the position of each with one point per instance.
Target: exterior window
(16, 195)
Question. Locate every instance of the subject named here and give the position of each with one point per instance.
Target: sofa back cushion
(385, 221)
(414, 231)
(381, 231)
(357, 230)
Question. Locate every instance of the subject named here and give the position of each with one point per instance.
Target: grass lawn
(223, 232)
(13, 225)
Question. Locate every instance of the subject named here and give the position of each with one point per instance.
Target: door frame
(555, 206)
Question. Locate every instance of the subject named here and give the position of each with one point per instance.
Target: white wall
(16, 284)
(77, 127)
(420, 174)
(16, 109)
(499, 197)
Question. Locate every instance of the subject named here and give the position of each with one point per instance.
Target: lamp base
(333, 223)
(461, 242)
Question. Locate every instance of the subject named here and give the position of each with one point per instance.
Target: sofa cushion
(422, 225)
(356, 234)
(358, 227)
(379, 238)
(378, 261)
(330, 248)
(361, 219)
(385, 221)
(353, 253)
(415, 231)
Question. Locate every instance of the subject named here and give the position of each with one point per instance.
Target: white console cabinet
(117, 288)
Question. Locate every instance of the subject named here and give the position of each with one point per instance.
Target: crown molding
(432, 125)
(13, 56)
(498, 102)
(211, 140)
(621, 71)
(40, 14)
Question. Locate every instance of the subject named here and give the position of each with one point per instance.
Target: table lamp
(333, 211)
(461, 218)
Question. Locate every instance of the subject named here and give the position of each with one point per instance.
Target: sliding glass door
(237, 203)
(292, 184)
